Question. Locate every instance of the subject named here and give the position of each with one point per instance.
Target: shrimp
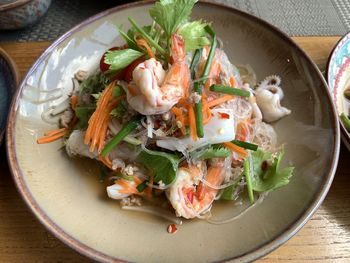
(189, 196)
(154, 91)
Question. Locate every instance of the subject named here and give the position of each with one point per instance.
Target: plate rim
(16, 77)
(345, 135)
(92, 253)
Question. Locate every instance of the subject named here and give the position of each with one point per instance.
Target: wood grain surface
(325, 238)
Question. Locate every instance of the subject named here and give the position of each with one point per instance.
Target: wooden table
(325, 238)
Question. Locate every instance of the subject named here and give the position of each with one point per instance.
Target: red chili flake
(224, 115)
(172, 228)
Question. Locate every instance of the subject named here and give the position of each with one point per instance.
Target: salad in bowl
(174, 125)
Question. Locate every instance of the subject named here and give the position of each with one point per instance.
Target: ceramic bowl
(15, 14)
(9, 80)
(68, 199)
(338, 76)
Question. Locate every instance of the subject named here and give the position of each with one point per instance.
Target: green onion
(245, 145)
(147, 37)
(195, 60)
(346, 121)
(125, 177)
(198, 85)
(128, 128)
(246, 171)
(230, 90)
(132, 140)
(142, 186)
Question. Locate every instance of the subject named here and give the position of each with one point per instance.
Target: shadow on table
(337, 202)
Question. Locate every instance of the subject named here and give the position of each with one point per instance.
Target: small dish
(15, 14)
(338, 76)
(9, 80)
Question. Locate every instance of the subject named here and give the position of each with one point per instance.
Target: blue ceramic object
(8, 82)
(21, 13)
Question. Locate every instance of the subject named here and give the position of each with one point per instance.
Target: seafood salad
(173, 124)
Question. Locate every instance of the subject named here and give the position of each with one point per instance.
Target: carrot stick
(51, 138)
(239, 150)
(143, 43)
(192, 122)
(232, 81)
(74, 101)
(219, 100)
(105, 160)
(53, 132)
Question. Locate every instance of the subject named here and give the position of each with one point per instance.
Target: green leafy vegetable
(346, 122)
(93, 84)
(213, 152)
(83, 114)
(163, 166)
(120, 109)
(227, 193)
(269, 177)
(124, 176)
(119, 59)
(194, 34)
(247, 174)
(142, 186)
(129, 39)
(170, 14)
(128, 128)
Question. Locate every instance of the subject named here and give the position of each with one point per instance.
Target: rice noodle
(264, 135)
(149, 126)
(220, 222)
(154, 211)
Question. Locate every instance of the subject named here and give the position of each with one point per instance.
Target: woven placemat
(295, 17)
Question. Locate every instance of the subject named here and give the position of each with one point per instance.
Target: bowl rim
(345, 134)
(14, 4)
(16, 77)
(92, 253)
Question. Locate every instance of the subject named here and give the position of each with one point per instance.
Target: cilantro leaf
(93, 84)
(119, 110)
(213, 152)
(119, 59)
(194, 34)
(83, 114)
(227, 193)
(163, 166)
(273, 176)
(170, 14)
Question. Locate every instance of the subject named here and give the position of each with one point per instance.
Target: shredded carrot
(179, 117)
(239, 150)
(52, 137)
(74, 101)
(98, 122)
(206, 110)
(137, 180)
(106, 161)
(232, 81)
(143, 43)
(53, 132)
(192, 122)
(219, 100)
